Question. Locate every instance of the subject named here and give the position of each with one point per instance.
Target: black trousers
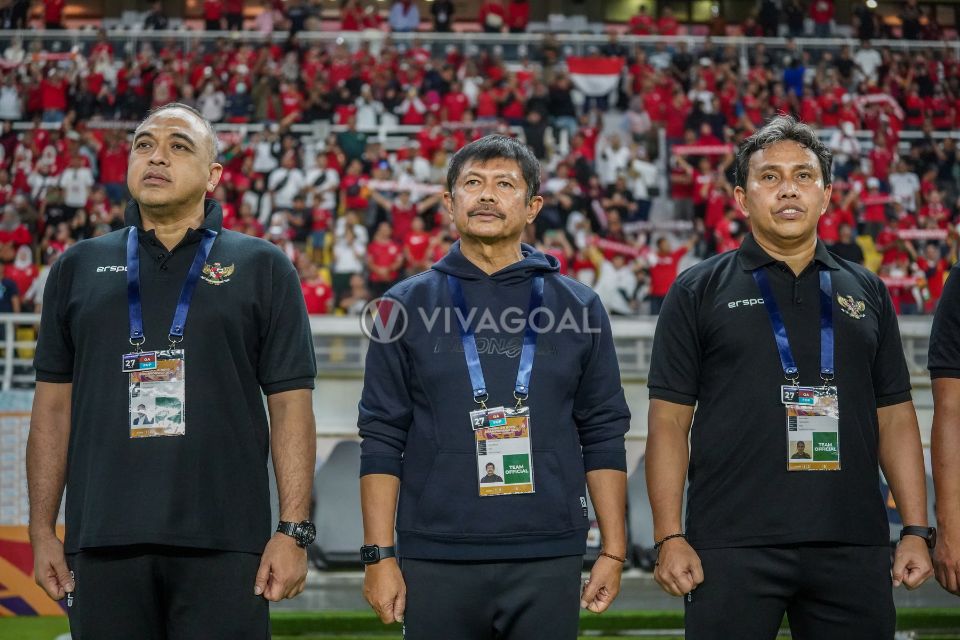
(512, 600)
(828, 592)
(165, 593)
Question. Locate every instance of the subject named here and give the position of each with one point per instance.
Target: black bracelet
(657, 545)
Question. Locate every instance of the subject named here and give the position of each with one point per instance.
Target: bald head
(178, 109)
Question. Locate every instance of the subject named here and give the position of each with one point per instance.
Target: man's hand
(678, 570)
(283, 569)
(603, 585)
(385, 591)
(946, 560)
(50, 567)
(911, 563)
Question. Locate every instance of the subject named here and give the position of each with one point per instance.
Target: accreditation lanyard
(521, 389)
(790, 370)
(137, 337)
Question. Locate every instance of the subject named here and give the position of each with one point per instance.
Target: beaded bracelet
(613, 557)
(657, 545)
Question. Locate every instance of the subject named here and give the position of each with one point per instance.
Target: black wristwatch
(372, 554)
(927, 533)
(303, 532)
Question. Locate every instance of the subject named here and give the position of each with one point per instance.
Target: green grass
(940, 624)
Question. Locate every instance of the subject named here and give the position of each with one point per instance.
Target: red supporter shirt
(664, 272)
(402, 219)
(829, 226)
(113, 163)
(936, 273)
(880, 161)
(668, 26)
(416, 244)
(821, 11)
(518, 15)
(212, 9)
(53, 95)
(53, 11)
(383, 254)
(641, 25)
(456, 104)
(317, 295)
(23, 278)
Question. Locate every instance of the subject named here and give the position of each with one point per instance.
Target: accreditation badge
(504, 457)
(813, 428)
(158, 396)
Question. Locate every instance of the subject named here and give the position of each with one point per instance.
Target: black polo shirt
(714, 348)
(247, 332)
(944, 353)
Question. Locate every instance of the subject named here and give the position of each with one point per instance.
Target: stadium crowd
(356, 214)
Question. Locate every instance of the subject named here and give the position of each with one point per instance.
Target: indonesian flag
(595, 75)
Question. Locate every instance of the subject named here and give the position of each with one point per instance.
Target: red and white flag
(595, 75)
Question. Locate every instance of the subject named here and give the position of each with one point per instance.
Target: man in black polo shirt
(944, 364)
(168, 521)
(776, 343)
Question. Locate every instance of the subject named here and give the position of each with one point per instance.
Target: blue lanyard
(186, 292)
(790, 370)
(521, 389)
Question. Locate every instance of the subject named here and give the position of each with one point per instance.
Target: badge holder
(501, 435)
(812, 413)
(157, 379)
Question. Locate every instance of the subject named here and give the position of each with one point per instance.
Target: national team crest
(856, 309)
(216, 273)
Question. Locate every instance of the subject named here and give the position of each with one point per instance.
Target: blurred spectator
(794, 15)
(9, 295)
(442, 11)
(384, 260)
(404, 16)
(821, 12)
(910, 15)
(518, 16)
(233, 11)
(317, 294)
(641, 23)
(492, 16)
(53, 14)
(213, 15)
(156, 18)
(845, 246)
(664, 265)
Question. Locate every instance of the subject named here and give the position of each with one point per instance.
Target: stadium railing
(340, 346)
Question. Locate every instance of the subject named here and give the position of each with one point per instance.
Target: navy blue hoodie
(414, 411)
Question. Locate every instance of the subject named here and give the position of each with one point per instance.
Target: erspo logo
(384, 320)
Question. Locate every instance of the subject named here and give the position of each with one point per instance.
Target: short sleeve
(675, 361)
(54, 357)
(944, 354)
(287, 359)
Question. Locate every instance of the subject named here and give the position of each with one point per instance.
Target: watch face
(306, 533)
(369, 554)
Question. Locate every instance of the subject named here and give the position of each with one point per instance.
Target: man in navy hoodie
(491, 356)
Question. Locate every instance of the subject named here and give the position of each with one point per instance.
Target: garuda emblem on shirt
(854, 308)
(216, 273)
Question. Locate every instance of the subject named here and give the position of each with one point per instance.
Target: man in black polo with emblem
(757, 350)
(168, 520)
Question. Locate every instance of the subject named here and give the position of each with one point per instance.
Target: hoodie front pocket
(450, 503)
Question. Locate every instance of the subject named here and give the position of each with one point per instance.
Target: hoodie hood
(533, 262)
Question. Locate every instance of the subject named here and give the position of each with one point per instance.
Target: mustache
(486, 211)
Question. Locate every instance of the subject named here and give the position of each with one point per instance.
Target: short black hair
(493, 147)
(776, 130)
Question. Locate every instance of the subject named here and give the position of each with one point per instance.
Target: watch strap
(372, 554)
(927, 533)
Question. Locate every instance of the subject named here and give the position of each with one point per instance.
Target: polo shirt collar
(212, 215)
(752, 256)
